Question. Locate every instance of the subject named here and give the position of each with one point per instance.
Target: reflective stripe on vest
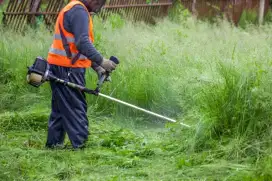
(69, 39)
(63, 53)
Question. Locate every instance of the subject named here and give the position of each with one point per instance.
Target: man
(70, 54)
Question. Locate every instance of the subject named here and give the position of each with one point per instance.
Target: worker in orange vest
(70, 54)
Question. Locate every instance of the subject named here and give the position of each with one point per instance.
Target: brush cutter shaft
(73, 85)
(141, 109)
(135, 107)
(96, 92)
(39, 73)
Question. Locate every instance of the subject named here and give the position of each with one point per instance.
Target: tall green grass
(215, 77)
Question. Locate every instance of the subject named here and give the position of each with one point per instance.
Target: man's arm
(76, 21)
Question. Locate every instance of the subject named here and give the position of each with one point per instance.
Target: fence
(19, 13)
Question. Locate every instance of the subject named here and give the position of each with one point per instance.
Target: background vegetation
(215, 77)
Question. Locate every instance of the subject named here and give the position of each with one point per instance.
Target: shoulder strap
(67, 48)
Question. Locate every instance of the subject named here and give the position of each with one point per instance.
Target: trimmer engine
(38, 73)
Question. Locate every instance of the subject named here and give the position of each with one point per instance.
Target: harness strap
(67, 48)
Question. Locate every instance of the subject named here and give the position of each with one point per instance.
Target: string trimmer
(39, 73)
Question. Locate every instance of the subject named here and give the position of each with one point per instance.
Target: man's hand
(108, 65)
(100, 71)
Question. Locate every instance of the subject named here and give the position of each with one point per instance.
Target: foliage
(178, 13)
(268, 17)
(248, 17)
(216, 78)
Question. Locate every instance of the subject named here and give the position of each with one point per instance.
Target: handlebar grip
(114, 59)
(102, 79)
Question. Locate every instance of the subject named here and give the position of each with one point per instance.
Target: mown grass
(215, 77)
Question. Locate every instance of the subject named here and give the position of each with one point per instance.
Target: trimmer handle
(107, 74)
(114, 59)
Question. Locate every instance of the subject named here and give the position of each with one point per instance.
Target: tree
(194, 11)
(261, 11)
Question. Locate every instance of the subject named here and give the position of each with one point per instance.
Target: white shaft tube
(141, 109)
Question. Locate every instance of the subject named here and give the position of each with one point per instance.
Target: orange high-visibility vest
(57, 54)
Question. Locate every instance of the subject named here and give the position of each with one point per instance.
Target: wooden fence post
(35, 5)
(261, 11)
(194, 10)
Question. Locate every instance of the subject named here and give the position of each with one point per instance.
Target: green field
(215, 77)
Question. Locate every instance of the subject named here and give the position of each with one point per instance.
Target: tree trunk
(261, 11)
(194, 11)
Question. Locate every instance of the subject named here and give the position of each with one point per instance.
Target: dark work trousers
(69, 109)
